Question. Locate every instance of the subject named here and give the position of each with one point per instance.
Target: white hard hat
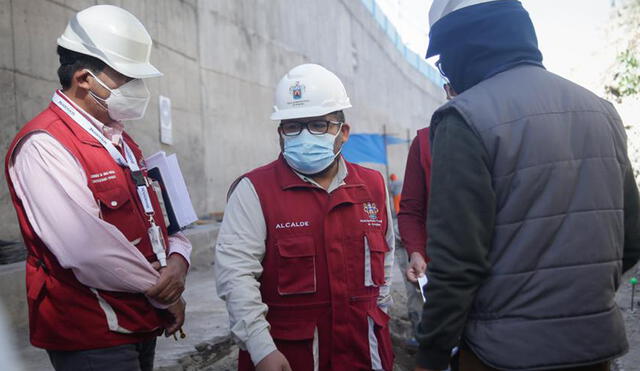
(309, 90)
(114, 36)
(440, 8)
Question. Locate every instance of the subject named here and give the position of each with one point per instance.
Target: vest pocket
(36, 278)
(298, 341)
(115, 205)
(375, 250)
(296, 265)
(380, 340)
(113, 198)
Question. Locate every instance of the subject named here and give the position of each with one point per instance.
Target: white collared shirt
(240, 249)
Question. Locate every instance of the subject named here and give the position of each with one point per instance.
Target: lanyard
(130, 161)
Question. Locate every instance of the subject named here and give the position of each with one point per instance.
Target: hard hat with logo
(309, 90)
(441, 8)
(114, 36)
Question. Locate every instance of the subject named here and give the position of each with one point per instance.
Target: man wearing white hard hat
(104, 278)
(533, 209)
(305, 251)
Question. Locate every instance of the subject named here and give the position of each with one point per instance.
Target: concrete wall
(221, 60)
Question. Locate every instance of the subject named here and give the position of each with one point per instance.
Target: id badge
(157, 243)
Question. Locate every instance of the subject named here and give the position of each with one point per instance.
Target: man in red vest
(104, 279)
(305, 251)
(412, 224)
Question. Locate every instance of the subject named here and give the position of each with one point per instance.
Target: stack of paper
(178, 205)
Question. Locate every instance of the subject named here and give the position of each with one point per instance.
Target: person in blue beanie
(533, 210)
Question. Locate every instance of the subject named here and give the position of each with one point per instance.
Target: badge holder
(157, 242)
(155, 234)
(138, 177)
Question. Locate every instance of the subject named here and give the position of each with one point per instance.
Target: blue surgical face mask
(309, 154)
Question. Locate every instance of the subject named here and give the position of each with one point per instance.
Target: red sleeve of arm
(413, 213)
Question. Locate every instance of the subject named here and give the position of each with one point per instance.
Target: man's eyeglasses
(315, 127)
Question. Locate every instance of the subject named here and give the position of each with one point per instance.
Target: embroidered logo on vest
(371, 209)
(103, 177)
(292, 225)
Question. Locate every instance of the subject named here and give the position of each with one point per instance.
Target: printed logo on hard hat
(297, 90)
(371, 210)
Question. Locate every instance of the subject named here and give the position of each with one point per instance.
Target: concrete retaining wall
(221, 60)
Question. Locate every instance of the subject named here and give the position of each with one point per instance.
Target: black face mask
(479, 41)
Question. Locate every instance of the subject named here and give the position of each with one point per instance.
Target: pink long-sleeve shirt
(61, 208)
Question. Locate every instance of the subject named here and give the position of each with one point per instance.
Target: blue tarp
(368, 148)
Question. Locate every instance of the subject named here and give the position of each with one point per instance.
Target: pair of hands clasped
(276, 361)
(169, 288)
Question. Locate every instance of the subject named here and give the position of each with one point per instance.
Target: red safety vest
(314, 278)
(63, 313)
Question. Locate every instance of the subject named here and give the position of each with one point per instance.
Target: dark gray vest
(558, 157)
